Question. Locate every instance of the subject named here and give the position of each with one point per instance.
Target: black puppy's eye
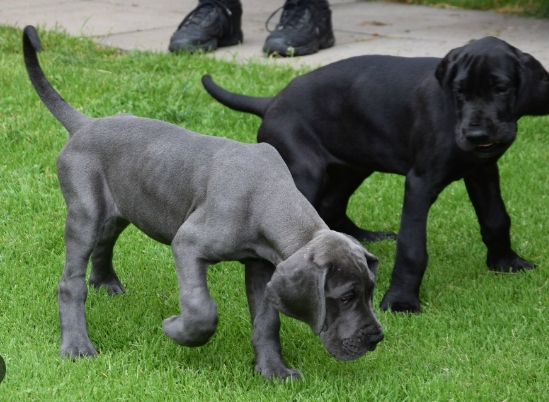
(501, 90)
(460, 93)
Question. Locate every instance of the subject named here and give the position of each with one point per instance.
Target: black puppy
(433, 120)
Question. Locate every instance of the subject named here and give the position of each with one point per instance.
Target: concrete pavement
(360, 27)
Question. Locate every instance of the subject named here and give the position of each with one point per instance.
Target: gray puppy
(211, 199)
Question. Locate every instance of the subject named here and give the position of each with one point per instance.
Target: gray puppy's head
(329, 285)
(491, 84)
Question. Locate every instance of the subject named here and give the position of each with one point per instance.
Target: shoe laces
(292, 13)
(200, 12)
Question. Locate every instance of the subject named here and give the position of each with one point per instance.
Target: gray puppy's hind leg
(198, 320)
(102, 272)
(265, 323)
(80, 238)
(86, 215)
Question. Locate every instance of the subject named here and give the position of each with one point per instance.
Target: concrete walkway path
(361, 27)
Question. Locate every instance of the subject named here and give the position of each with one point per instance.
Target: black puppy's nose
(476, 135)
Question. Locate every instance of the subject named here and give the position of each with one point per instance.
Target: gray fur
(211, 199)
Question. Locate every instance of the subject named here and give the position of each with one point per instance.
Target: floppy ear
(533, 91)
(373, 263)
(445, 71)
(371, 259)
(297, 290)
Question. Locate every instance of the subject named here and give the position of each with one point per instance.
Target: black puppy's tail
(69, 117)
(242, 103)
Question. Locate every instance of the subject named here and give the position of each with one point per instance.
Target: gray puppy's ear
(373, 263)
(533, 91)
(297, 290)
(372, 260)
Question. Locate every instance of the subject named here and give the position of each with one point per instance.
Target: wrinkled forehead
(349, 274)
(337, 249)
(340, 280)
(487, 68)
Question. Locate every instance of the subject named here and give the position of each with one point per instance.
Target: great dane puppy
(433, 120)
(211, 199)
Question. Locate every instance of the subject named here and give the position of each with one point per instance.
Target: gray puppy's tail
(242, 103)
(69, 117)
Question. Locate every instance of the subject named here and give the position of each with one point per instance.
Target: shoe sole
(209, 46)
(237, 38)
(328, 40)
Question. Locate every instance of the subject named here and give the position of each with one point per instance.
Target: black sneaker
(305, 27)
(210, 25)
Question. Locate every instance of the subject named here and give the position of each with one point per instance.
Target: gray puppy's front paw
(281, 372)
(190, 335)
(77, 348)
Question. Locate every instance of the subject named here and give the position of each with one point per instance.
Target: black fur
(433, 120)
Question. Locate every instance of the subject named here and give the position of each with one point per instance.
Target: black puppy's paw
(398, 302)
(345, 225)
(511, 264)
(111, 283)
(370, 237)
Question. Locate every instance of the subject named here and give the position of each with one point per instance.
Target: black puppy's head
(492, 85)
(329, 284)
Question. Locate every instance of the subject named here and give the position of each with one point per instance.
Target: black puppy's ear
(533, 91)
(445, 71)
(297, 290)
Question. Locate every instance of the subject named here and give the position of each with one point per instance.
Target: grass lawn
(481, 336)
(539, 8)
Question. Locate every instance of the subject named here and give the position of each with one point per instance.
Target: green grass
(538, 8)
(481, 336)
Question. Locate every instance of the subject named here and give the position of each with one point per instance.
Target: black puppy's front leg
(495, 223)
(411, 251)
(265, 322)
